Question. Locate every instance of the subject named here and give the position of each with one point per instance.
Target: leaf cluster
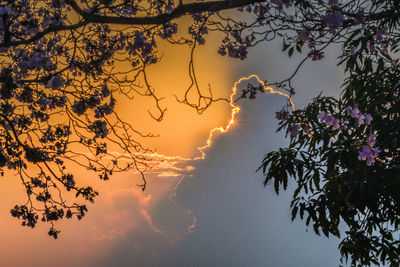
(335, 190)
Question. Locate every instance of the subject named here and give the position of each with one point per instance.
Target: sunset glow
(159, 133)
(166, 165)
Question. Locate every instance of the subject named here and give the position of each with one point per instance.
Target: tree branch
(179, 11)
(39, 35)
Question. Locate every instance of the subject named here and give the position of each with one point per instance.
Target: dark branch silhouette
(64, 64)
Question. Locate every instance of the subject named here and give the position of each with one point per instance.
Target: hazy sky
(237, 221)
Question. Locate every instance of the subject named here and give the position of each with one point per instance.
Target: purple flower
(303, 35)
(80, 107)
(333, 20)
(371, 139)
(282, 115)
(360, 119)
(105, 91)
(56, 82)
(376, 151)
(35, 60)
(99, 128)
(384, 47)
(169, 8)
(316, 55)
(35, 155)
(294, 130)
(355, 113)
(368, 119)
(371, 47)
(329, 120)
(321, 116)
(349, 109)
(139, 40)
(368, 154)
(336, 124)
(370, 161)
(381, 32)
(198, 16)
(222, 51)
(364, 153)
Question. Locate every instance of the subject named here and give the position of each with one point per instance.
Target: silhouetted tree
(62, 63)
(61, 69)
(344, 152)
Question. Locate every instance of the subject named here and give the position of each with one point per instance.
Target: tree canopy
(62, 63)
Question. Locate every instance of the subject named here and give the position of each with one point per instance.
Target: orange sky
(182, 129)
(121, 206)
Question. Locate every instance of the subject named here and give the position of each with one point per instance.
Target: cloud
(146, 215)
(238, 222)
(123, 210)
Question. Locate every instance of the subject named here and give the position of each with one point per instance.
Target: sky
(210, 212)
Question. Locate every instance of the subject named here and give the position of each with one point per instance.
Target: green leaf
(291, 50)
(294, 212)
(316, 179)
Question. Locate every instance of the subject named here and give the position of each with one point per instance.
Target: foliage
(344, 153)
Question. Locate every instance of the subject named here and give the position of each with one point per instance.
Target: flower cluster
(236, 44)
(282, 115)
(99, 128)
(379, 41)
(197, 32)
(360, 118)
(368, 152)
(333, 20)
(294, 130)
(56, 82)
(329, 120)
(58, 89)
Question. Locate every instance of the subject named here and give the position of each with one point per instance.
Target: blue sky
(239, 223)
